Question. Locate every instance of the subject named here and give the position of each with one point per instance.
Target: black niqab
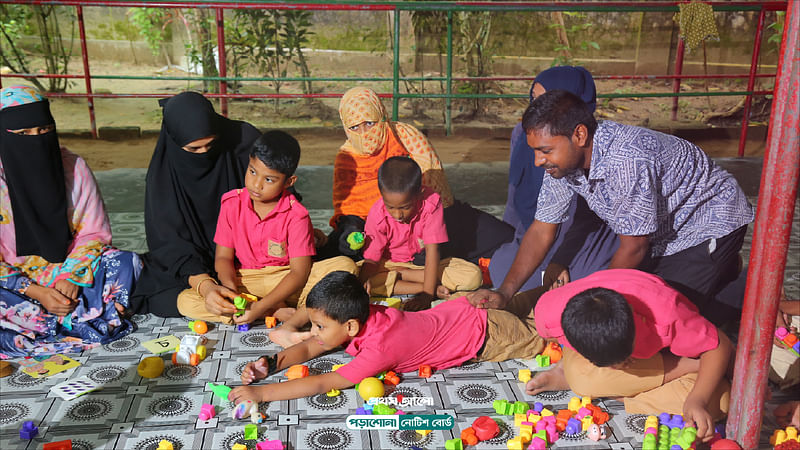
(183, 195)
(34, 173)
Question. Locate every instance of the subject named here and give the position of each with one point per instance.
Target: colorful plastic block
(586, 401)
(519, 418)
(66, 444)
(274, 444)
(239, 447)
(297, 371)
(574, 426)
(206, 412)
(164, 445)
(520, 407)
(198, 326)
(545, 412)
(538, 443)
(583, 412)
(542, 361)
(526, 426)
(552, 434)
(333, 393)
(538, 407)
(424, 432)
(383, 410)
(586, 422)
(553, 351)
(220, 390)
(362, 412)
(270, 322)
(251, 431)
(454, 444)
(503, 407)
(524, 375)
(243, 327)
(28, 430)
(540, 434)
(468, 436)
(391, 378)
(485, 428)
(515, 444)
(526, 435)
(574, 404)
(425, 371)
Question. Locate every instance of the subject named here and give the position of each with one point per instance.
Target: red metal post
(776, 199)
(87, 76)
(676, 85)
(223, 67)
(751, 81)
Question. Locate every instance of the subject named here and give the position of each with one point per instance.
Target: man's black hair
(598, 323)
(278, 150)
(341, 297)
(558, 113)
(399, 174)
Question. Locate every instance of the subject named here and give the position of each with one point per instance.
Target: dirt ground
(318, 129)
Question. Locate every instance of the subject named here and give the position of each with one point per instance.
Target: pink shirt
(664, 317)
(284, 233)
(399, 242)
(442, 337)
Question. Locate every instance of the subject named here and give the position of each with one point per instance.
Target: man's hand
(242, 393)
(69, 289)
(51, 299)
(487, 299)
(255, 371)
(419, 302)
(695, 412)
(219, 300)
(555, 276)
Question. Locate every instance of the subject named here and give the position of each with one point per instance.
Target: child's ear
(353, 327)
(290, 182)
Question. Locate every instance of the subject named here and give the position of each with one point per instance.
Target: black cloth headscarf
(36, 186)
(182, 198)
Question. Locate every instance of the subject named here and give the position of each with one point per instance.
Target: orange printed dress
(355, 172)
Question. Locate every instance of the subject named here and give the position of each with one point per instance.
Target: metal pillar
(223, 63)
(751, 81)
(396, 67)
(676, 84)
(777, 195)
(87, 75)
(448, 112)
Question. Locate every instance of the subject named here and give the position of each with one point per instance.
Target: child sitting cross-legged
(629, 334)
(404, 228)
(382, 338)
(264, 245)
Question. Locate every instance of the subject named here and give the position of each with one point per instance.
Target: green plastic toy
(355, 240)
(220, 390)
(251, 431)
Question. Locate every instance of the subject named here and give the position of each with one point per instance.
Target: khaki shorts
(454, 273)
(509, 337)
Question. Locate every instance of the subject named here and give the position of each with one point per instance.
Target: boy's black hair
(598, 323)
(557, 113)
(278, 150)
(341, 297)
(399, 174)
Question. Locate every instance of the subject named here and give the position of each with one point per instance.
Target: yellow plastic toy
(150, 367)
(370, 387)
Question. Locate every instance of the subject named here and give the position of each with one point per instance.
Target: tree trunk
(561, 32)
(207, 51)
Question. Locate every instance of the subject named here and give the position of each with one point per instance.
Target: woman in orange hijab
(372, 139)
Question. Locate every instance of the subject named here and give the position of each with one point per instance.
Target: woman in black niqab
(182, 198)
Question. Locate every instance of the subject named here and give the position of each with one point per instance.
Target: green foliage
(151, 23)
(777, 31)
(565, 49)
(14, 23)
(350, 38)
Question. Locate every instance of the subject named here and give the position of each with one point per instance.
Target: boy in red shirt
(382, 338)
(404, 228)
(627, 333)
(264, 245)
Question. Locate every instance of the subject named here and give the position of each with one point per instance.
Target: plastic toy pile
(665, 432)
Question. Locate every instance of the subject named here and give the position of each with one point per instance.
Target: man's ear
(353, 327)
(290, 182)
(580, 136)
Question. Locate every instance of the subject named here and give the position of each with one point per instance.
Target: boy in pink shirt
(382, 338)
(403, 229)
(264, 244)
(627, 333)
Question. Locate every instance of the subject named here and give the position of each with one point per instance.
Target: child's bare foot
(442, 292)
(551, 380)
(287, 337)
(283, 314)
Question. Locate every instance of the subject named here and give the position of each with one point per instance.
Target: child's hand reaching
(242, 393)
(254, 371)
(219, 300)
(695, 412)
(252, 312)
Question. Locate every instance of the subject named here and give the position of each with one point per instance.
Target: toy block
(574, 404)
(674, 434)
(164, 445)
(270, 321)
(369, 407)
(336, 366)
(425, 371)
(538, 443)
(796, 348)
(362, 412)
(542, 361)
(586, 422)
(503, 407)
(586, 401)
(778, 436)
(519, 418)
(515, 444)
(423, 432)
(676, 421)
(791, 433)
(297, 371)
(243, 327)
(399, 412)
(207, 412)
(333, 393)
(552, 434)
(538, 407)
(600, 417)
(651, 430)
(583, 412)
(391, 378)
(549, 420)
(664, 418)
(687, 437)
(198, 326)
(781, 332)
(553, 351)
(650, 442)
(485, 428)
(58, 445)
(790, 340)
(534, 418)
(574, 426)
(562, 418)
(524, 375)
(545, 412)
(651, 422)
(251, 431)
(220, 390)
(541, 434)
(239, 447)
(28, 430)
(526, 426)
(468, 436)
(274, 444)
(526, 435)
(520, 407)
(454, 444)
(383, 410)
(540, 425)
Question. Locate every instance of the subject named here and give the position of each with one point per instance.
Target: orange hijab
(355, 181)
